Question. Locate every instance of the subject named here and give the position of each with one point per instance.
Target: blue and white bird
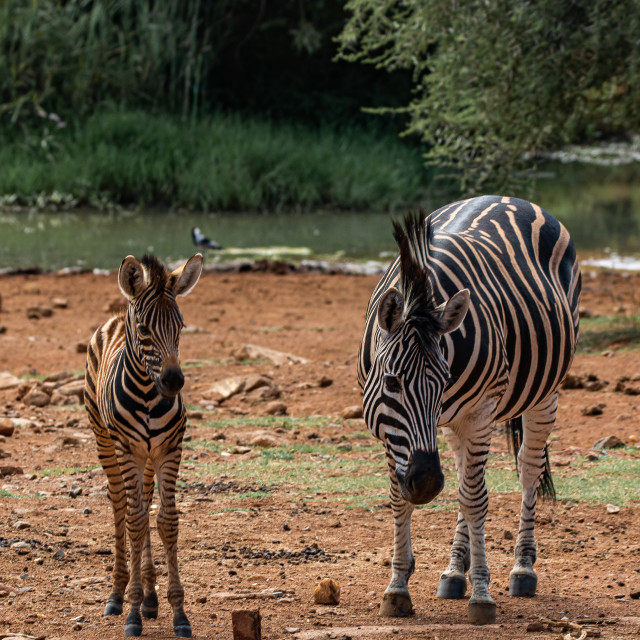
(201, 241)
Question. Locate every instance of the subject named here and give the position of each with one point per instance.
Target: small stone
(59, 303)
(593, 410)
(327, 592)
(195, 415)
(81, 347)
(507, 535)
(609, 442)
(39, 561)
(325, 382)
(6, 427)
(264, 440)
(619, 596)
(59, 554)
(21, 524)
(291, 629)
(534, 627)
(246, 625)
(87, 511)
(201, 599)
(572, 381)
(286, 527)
(77, 627)
(353, 412)
(612, 508)
(10, 470)
(75, 491)
(635, 595)
(36, 398)
(276, 408)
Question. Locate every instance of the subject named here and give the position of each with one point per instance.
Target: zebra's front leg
(396, 601)
(137, 530)
(167, 521)
(474, 504)
(453, 581)
(150, 601)
(537, 425)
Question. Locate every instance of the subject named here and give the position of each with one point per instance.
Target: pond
(600, 209)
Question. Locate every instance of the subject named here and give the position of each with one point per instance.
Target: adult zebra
(132, 393)
(505, 272)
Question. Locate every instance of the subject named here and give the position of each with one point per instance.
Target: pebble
(59, 554)
(276, 408)
(353, 412)
(21, 524)
(612, 508)
(6, 427)
(609, 442)
(327, 592)
(593, 410)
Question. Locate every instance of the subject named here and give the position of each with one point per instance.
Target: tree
(497, 82)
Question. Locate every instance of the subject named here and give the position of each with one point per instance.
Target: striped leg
(396, 601)
(453, 582)
(475, 433)
(537, 425)
(137, 529)
(118, 499)
(167, 473)
(150, 601)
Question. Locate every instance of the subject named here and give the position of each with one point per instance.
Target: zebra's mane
(158, 274)
(420, 309)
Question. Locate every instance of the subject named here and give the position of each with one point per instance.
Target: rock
(265, 440)
(353, 412)
(59, 554)
(195, 415)
(8, 381)
(58, 376)
(633, 438)
(10, 470)
(593, 410)
(278, 358)
(21, 524)
(325, 382)
(610, 442)
(81, 347)
(635, 595)
(3, 328)
(59, 303)
(246, 625)
(572, 381)
(534, 627)
(262, 394)
(256, 382)
(612, 508)
(36, 398)
(73, 388)
(586, 313)
(276, 408)
(507, 535)
(225, 389)
(327, 592)
(240, 450)
(6, 427)
(622, 417)
(35, 313)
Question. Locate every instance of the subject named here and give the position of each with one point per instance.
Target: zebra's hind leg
(167, 522)
(537, 425)
(453, 581)
(150, 601)
(396, 601)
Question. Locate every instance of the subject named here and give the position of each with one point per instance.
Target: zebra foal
(475, 322)
(132, 394)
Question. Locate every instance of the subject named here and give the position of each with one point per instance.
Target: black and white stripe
(474, 323)
(132, 394)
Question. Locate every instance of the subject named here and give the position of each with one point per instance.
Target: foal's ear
(132, 278)
(391, 310)
(184, 278)
(453, 311)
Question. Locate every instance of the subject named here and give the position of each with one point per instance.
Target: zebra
(132, 395)
(475, 322)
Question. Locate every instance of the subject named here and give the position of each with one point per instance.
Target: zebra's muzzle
(423, 480)
(171, 381)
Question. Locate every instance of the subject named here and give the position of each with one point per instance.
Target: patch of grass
(272, 422)
(599, 334)
(249, 495)
(20, 496)
(277, 454)
(67, 471)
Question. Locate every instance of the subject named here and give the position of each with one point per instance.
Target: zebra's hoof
(523, 585)
(113, 606)
(133, 625)
(396, 605)
(482, 612)
(150, 606)
(452, 587)
(181, 625)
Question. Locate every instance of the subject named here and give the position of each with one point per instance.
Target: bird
(201, 241)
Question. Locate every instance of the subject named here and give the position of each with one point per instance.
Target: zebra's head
(154, 321)
(403, 389)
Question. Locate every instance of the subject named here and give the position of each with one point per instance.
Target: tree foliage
(498, 82)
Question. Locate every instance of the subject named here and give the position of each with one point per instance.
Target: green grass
(67, 471)
(599, 334)
(272, 422)
(222, 162)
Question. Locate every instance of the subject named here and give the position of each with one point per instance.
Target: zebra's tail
(514, 430)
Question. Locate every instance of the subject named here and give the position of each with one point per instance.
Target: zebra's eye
(143, 331)
(391, 383)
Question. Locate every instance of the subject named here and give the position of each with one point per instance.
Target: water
(600, 208)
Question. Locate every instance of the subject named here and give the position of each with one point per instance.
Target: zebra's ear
(132, 278)
(453, 311)
(184, 278)
(391, 310)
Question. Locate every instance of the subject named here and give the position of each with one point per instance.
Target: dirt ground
(55, 519)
